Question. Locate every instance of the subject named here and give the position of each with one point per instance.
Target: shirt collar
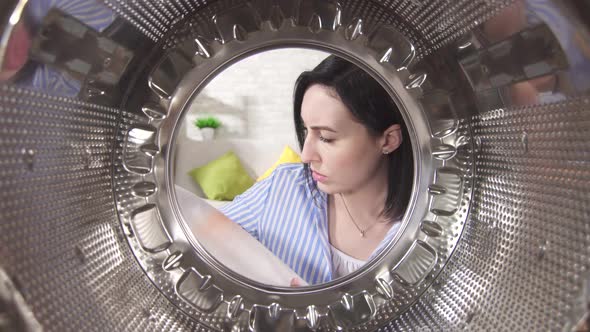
(319, 199)
(310, 187)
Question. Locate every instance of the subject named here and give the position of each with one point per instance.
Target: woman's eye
(325, 140)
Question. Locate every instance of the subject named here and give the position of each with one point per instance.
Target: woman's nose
(308, 153)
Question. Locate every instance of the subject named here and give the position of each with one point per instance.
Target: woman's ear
(391, 139)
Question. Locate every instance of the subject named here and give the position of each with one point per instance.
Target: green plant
(208, 122)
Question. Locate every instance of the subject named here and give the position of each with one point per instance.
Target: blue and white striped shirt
(281, 212)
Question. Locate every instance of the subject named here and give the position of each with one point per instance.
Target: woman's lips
(318, 177)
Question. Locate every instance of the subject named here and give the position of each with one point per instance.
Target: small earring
(385, 151)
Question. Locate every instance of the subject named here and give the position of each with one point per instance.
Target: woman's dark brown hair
(372, 106)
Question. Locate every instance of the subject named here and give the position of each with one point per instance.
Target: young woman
(329, 215)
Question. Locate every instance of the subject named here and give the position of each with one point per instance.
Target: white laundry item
(230, 244)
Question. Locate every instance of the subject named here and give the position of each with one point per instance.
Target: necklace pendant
(362, 233)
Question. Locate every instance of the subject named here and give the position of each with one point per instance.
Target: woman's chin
(326, 188)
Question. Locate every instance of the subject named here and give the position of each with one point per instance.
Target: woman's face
(339, 150)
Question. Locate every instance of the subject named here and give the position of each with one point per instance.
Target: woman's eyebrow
(323, 128)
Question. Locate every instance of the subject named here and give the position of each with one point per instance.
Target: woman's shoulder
(287, 176)
(293, 170)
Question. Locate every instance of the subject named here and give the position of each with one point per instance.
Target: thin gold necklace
(362, 231)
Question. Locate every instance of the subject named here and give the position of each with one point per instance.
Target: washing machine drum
(93, 95)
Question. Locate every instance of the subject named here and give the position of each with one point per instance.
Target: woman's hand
(295, 282)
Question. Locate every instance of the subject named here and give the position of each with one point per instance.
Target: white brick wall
(254, 97)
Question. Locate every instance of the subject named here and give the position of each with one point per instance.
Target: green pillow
(223, 178)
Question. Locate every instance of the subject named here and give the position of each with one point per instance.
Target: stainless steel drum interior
(497, 236)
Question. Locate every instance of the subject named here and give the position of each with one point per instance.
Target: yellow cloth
(287, 156)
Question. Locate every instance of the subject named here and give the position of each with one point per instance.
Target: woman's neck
(369, 200)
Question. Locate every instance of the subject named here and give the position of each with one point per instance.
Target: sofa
(256, 155)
